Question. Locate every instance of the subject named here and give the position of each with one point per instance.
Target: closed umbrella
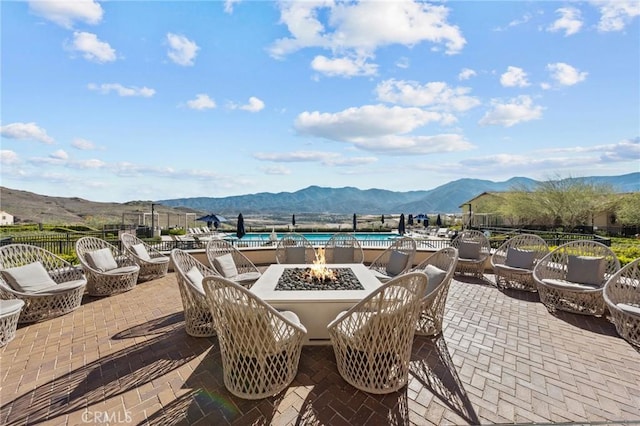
(401, 225)
(438, 221)
(240, 232)
(293, 220)
(355, 222)
(410, 220)
(426, 221)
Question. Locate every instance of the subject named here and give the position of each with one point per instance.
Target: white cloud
(403, 62)
(121, 90)
(182, 51)
(466, 74)
(369, 121)
(65, 13)
(276, 170)
(414, 145)
(26, 131)
(516, 22)
(344, 67)
(626, 150)
(358, 29)
(434, 94)
(201, 102)
(565, 74)
(616, 15)
(8, 157)
(228, 5)
(515, 111)
(83, 144)
(92, 48)
(323, 157)
(254, 105)
(59, 155)
(570, 21)
(514, 77)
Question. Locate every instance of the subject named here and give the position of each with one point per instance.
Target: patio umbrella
(438, 221)
(212, 218)
(426, 221)
(355, 222)
(410, 220)
(293, 220)
(401, 225)
(382, 219)
(240, 227)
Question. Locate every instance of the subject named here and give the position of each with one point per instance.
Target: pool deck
(502, 358)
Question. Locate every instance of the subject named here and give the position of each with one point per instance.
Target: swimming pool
(316, 236)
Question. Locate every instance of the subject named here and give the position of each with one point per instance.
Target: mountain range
(315, 199)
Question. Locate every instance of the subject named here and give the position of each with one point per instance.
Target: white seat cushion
(343, 254)
(101, 259)
(63, 287)
(397, 263)
(141, 251)
(29, 278)
(195, 276)
(247, 277)
(435, 276)
(226, 266)
(469, 250)
(295, 254)
(518, 258)
(569, 284)
(123, 270)
(10, 307)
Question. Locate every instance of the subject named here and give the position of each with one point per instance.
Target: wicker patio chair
(108, 269)
(231, 263)
(260, 347)
(571, 277)
(189, 274)
(294, 248)
(49, 285)
(622, 297)
(439, 267)
(473, 252)
(395, 259)
(514, 260)
(372, 341)
(343, 247)
(152, 263)
(9, 314)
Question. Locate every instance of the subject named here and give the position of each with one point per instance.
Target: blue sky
(147, 100)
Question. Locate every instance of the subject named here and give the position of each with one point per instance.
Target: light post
(153, 221)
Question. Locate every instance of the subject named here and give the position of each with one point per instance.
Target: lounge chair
(372, 341)
(622, 297)
(231, 263)
(395, 259)
(260, 347)
(49, 285)
(108, 269)
(439, 268)
(343, 247)
(189, 273)
(514, 260)
(294, 248)
(474, 251)
(572, 277)
(153, 264)
(9, 314)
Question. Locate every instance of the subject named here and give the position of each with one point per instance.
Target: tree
(628, 209)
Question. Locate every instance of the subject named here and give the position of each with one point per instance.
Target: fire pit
(318, 277)
(303, 279)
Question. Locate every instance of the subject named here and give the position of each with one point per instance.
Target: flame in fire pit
(319, 270)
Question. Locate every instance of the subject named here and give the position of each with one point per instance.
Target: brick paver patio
(503, 358)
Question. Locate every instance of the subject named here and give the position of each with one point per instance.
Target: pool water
(317, 236)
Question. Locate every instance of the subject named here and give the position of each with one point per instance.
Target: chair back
(405, 246)
(372, 341)
(622, 297)
(294, 248)
(260, 347)
(219, 247)
(467, 241)
(198, 320)
(531, 245)
(343, 247)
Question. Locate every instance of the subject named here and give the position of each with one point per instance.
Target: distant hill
(315, 199)
(29, 207)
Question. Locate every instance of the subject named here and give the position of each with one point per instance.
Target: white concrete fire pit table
(315, 308)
